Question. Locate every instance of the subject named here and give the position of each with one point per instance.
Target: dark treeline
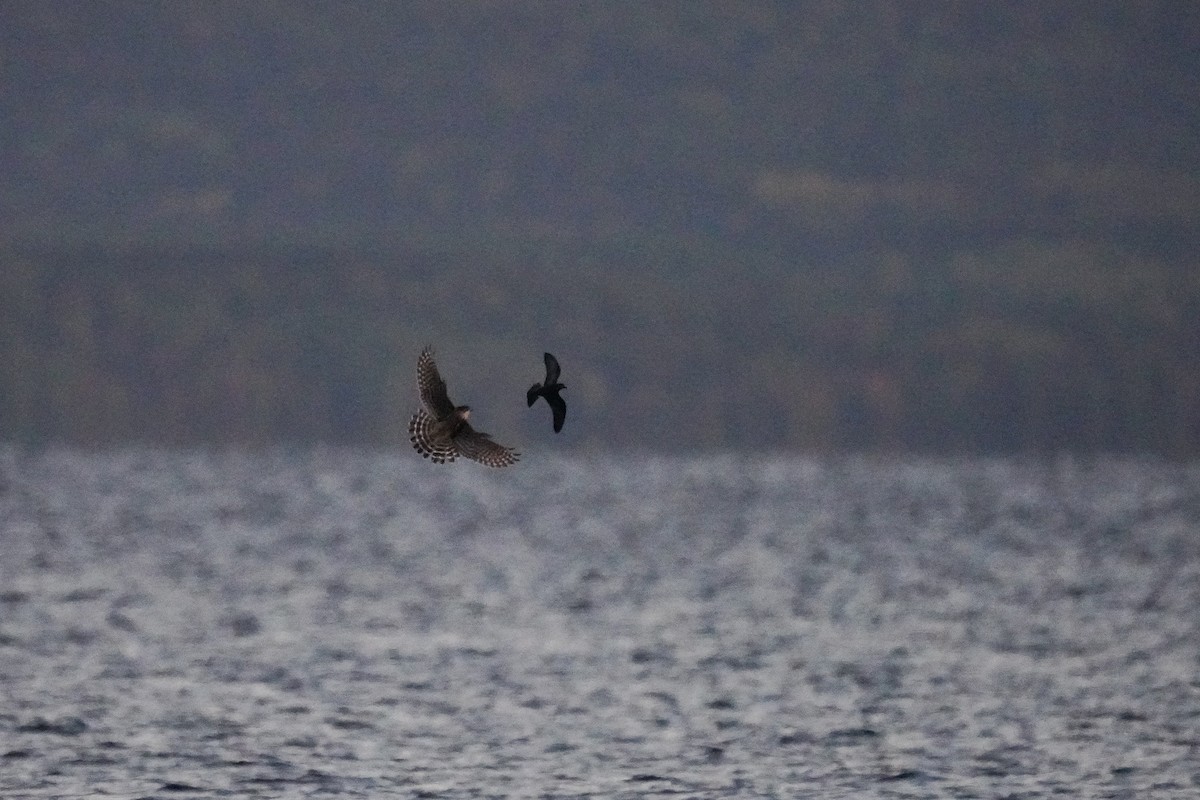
(1065, 347)
(873, 224)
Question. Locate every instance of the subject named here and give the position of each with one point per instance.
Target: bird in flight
(439, 430)
(549, 389)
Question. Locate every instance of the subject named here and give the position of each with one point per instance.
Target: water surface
(340, 622)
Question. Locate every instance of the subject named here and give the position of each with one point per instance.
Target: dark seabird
(439, 430)
(549, 389)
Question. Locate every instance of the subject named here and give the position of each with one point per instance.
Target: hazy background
(794, 225)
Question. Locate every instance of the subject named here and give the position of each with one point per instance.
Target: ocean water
(361, 623)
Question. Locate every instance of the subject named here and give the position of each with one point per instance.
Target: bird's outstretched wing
(478, 446)
(559, 408)
(431, 386)
(552, 370)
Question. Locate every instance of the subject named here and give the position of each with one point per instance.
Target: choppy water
(364, 624)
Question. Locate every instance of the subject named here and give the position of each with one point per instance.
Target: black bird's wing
(559, 407)
(552, 370)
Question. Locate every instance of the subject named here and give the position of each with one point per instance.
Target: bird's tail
(420, 433)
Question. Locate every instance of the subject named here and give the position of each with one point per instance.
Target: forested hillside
(939, 227)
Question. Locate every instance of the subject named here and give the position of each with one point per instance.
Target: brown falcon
(439, 430)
